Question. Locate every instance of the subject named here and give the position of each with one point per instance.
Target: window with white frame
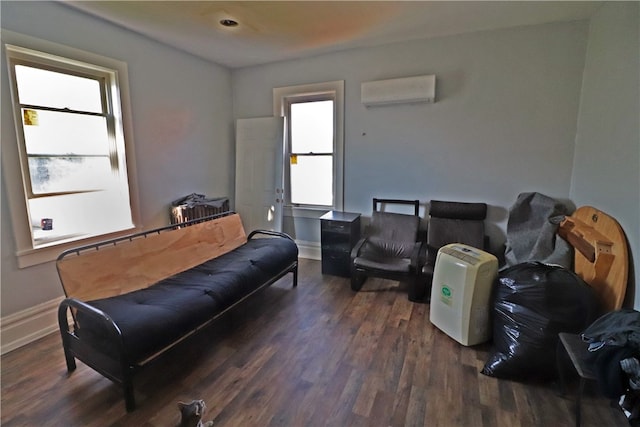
(311, 150)
(313, 153)
(71, 147)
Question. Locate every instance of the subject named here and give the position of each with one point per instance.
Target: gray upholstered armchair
(390, 248)
(451, 222)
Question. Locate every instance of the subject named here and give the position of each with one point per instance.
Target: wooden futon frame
(130, 299)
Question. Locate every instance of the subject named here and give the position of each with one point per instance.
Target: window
(313, 170)
(65, 130)
(310, 166)
(71, 148)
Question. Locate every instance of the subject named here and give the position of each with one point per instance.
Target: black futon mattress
(152, 318)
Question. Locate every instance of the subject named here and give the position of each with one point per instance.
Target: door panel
(259, 172)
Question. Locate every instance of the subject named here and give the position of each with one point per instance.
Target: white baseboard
(28, 325)
(309, 250)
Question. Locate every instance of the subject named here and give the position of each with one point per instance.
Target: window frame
(30, 51)
(103, 76)
(299, 99)
(282, 98)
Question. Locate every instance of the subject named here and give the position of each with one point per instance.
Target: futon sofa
(131, 299)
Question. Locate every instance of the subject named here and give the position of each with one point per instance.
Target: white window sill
(306, 212)
(40, 255)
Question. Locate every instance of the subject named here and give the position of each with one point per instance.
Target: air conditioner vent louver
(399, 91)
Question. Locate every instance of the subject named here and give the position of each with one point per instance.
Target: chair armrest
(417, 257)
(355, 251)
(422, 253)
(430, 254)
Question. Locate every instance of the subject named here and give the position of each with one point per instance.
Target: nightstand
(339, 232)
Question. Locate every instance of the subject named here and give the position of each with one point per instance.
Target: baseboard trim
(309, 250)
(21, 328)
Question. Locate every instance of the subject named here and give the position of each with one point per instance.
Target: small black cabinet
(339, 232)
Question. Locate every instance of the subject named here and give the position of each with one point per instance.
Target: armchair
(451, 222)
(390, 247)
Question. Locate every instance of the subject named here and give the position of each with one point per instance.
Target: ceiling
(269, 31)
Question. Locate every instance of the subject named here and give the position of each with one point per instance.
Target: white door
(259, 172)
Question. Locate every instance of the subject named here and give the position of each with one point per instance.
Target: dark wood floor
(315, 355)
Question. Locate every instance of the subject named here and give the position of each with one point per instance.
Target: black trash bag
(532, 303)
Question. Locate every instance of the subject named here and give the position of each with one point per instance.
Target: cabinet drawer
(335, 264)
(336, 253)
(336, 256)
(336, 227)
(336, 242)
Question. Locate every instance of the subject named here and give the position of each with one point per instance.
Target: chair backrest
(394, 233)
(380, 202)
(394, 226)
(456, 222)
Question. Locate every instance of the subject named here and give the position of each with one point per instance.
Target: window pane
(79, 214)
(312, 127)
(312, 180)
(50, 89)
(51, 132)
(63, 174)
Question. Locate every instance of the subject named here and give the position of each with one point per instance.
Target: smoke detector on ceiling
(228, 22)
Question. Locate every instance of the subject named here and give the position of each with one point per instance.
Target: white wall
(606, 172)
(504, 121)
(182, 128)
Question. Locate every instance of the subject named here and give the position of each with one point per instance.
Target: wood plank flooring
(315, 355)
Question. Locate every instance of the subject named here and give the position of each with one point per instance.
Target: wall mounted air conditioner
(399, 91)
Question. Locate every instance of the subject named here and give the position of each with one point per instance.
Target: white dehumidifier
(462, 281)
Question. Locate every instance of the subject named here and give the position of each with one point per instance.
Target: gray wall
(504, 121)
(606, 171)
(183, 129)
